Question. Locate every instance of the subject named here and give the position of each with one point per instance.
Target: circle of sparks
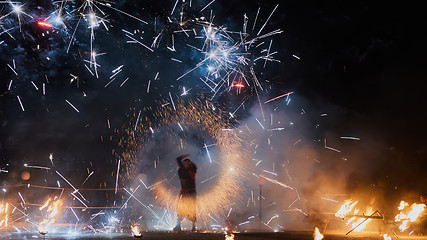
(213, 122)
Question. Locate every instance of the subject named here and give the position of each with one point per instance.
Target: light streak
(173, 104)
(276, 182)
(272, 173)
(117, 177)
(351, 138)
(148, 86)
(140, 43)
(273, 217)
(137, 119)
(330, 148)
(243, 223)
(39, 167)
(267, 19)
(207, 151)
(148, 208)
(176, 60)
(259, 123)
(72, 105)
(207, 5)
(75, 190)
(174, 6)
(21, 197)
(20, 103)
(284, 95)
(44, 24)
(13, 70)
(124, 82)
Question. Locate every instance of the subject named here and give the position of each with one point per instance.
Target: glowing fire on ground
(386, 237)
(317, 235)
(229, 236)
(52, 210)
(361, 224)
(358, 222)
(136, 232)
(407, 215)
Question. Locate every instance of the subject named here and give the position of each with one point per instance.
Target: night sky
(360, 62)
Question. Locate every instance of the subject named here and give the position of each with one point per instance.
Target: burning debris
(52, 209)
(229, 236)
(136, 232)
(317, 235)
(408, 214)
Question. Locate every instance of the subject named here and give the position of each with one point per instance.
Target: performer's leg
(178, 225)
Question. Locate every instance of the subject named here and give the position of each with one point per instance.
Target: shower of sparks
(206, 121)
(217, 57)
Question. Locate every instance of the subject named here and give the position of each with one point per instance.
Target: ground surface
(203, 236)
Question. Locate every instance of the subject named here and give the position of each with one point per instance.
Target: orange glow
(407, 215)
(229, 236)
(136, 232)
(239, 85)
(317, 235)
(386, 237)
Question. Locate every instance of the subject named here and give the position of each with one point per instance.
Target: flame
(136, 232)
(386, 237)
(405, 217)
(3, 209)
(363, 221)
(402, 205)
(44, 225)
(229, 236)
(45, 205)
(352, 218)
(345, 208)
(52, 210)
(317, 235)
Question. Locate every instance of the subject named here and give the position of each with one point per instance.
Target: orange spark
(44, 24)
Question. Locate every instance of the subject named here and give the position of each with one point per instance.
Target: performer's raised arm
(180, 158)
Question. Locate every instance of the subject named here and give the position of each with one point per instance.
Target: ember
(136, 232)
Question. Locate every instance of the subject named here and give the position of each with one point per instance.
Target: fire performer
(187, 199)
